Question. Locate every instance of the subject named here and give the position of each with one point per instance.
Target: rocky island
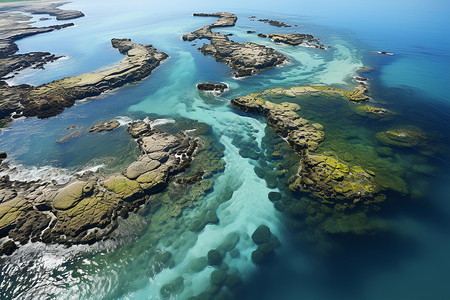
(245, 58)
(297, 39)
(52, 98)
(86, 209)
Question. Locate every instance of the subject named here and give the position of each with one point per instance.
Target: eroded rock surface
(245, 58)
(85, 209)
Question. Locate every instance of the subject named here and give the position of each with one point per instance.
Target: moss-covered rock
(70, 195)
(122, 186)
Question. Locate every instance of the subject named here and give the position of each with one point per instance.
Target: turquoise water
(409, 261)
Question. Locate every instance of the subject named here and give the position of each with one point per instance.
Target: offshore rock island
(245, 58)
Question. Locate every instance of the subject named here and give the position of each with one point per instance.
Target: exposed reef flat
(297, 39)
(85, 209)
(245, 58)
(52, 98)
(323, 174)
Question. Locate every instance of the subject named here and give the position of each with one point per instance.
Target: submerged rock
(266, 241)
(172, 288)
(403, 137)
(245, 58)
(69, 137)
(261, 235)
(215, 257)
(218, 277)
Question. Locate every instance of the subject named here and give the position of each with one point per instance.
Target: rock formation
(245, 58)
(212, 87)
(105, 126)
(50, 99)
(86, 208)
(323, 174)
(297, 39)
(274, 23)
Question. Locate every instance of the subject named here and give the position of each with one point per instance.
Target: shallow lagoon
(409, 261)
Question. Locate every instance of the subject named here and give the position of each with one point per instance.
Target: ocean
(405, 258)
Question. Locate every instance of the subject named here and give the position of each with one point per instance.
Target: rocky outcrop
(322, 174)
(297, 39)
(245, 58)
(274, 23)
(212, 87)
(105, 126)
(85, 209)
(50, 99)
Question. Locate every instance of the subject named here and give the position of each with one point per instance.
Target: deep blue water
(409, 261)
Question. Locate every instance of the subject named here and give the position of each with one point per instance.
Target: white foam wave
(159, 122)
(91, 169)
(124, 120)
(23, 173)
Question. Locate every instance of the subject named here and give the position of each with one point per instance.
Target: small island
(245, 58)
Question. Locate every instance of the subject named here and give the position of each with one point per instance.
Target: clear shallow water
(409, 262)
